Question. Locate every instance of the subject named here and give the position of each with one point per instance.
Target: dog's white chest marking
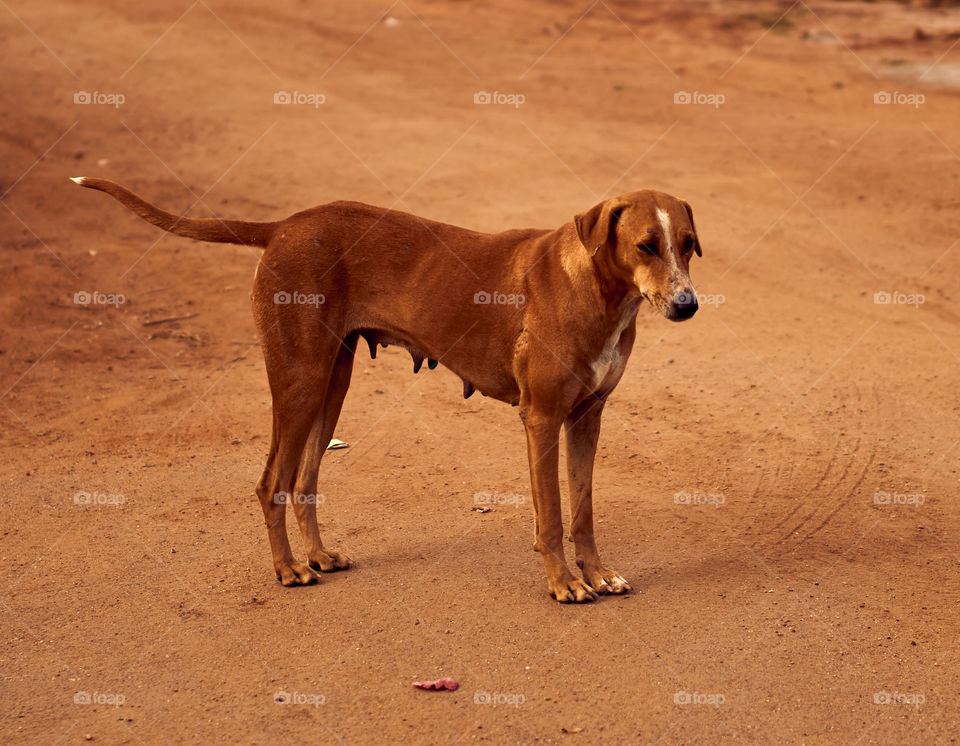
(609, 364)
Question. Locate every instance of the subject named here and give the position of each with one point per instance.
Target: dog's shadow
(477, 558)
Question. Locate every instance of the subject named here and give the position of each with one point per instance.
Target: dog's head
(644, 241)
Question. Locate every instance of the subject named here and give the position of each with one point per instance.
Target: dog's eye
(689, 245)
(648, 247)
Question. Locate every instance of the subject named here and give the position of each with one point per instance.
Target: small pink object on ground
(438, 685)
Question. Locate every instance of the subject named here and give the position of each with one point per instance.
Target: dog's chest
(608, 366)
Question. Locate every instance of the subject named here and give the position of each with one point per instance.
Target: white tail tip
(78, 179)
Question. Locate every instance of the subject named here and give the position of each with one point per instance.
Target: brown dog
(543, 319)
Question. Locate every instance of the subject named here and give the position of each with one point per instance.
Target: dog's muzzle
(683, 305)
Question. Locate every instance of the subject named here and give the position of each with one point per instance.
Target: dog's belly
(489, 381)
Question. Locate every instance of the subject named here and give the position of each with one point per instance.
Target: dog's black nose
(685, 304)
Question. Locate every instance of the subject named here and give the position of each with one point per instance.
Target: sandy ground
(806, 593)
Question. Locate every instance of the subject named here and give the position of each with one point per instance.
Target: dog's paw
(330, 560)
(607, 581)
(296, 573)
(571, 590)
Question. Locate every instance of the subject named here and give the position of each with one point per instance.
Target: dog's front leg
(543, 441)
(582, 428)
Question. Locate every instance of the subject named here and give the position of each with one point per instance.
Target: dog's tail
(202, 229)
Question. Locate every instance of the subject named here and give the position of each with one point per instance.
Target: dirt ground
(778, 476)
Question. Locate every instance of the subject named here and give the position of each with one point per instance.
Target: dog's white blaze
(667, 238)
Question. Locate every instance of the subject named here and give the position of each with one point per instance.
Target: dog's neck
(608, 298)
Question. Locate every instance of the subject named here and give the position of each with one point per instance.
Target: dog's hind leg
(306, 498)
(273, 502)
(298, 390)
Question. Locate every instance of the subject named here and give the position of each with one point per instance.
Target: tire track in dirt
(854, 488)
(759, 501)
(835, 479)
(782, 475)
(819, 482)
(840, 482)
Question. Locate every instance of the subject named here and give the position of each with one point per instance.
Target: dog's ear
(696, 236)
(596, 226)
